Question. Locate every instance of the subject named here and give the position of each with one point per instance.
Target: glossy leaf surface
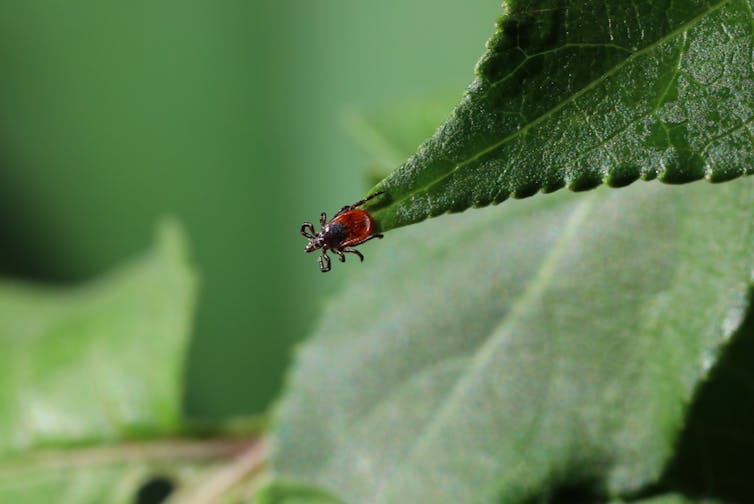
(580, 93)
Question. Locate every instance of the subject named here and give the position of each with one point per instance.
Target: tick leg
(366, 240)
(307, 229)
(324, 262)
(358, 203)
(323, 219)
(343, 210)
(340, 254)
(372, 196)
(352, 251)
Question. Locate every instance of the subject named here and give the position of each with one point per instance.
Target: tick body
(350, 227)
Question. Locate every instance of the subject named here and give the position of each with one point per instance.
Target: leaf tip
(171, 239)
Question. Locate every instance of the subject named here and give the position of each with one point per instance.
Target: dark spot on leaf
(575, 494)
(658, 136)
(495, 68)
(552, 185)
(585, 180)
(671, 94)
(713, 116)
(686, 164)
(155, 490)
(524, 191)
(535, 30)
(649, 175)
(725, 173)
(500, 196)
(583, 492)
(623, 175)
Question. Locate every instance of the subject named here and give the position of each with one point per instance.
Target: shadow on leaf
(714, 456)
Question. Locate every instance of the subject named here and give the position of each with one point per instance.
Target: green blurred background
(228, 115)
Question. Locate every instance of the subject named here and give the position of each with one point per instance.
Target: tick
(349, 227)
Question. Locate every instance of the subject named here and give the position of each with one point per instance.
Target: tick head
(314, 244)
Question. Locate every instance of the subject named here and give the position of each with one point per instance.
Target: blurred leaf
(713, 456)
(288, 492)
(578, 94)
(498, 355)
(391, 134)
(91, 377)
(100, 362)
(390, 137)
(125, 472)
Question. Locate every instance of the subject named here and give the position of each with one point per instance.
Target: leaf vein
(544, 274)
(523, 129)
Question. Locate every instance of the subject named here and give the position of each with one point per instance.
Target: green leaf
(713, 455)
(390, 137)
(288, 492)
(669, 499)
(92, 380)
(498, 355)
(124, 472)
(579, 93)
(98, 362)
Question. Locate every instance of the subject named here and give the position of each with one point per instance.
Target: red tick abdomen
(358, 225)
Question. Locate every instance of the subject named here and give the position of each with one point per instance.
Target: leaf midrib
(133, 451)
